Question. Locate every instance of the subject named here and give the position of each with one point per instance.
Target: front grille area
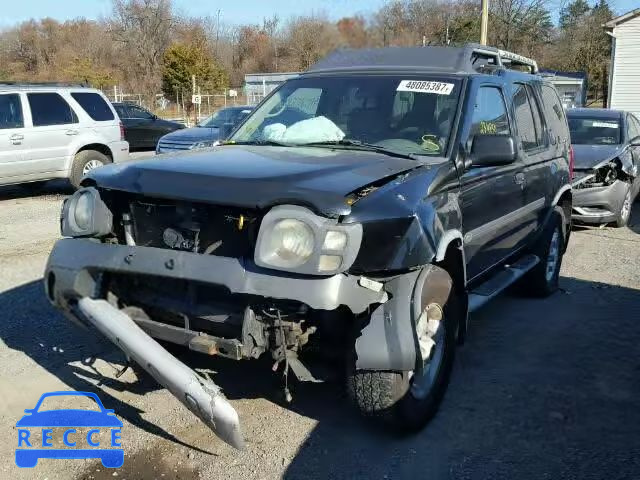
(174, 145)
(194, 227)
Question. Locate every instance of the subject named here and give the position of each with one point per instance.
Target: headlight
(82, 211)
(294, 239)
(290, 244)
(84, 214)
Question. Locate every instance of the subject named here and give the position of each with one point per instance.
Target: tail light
(121, 132)
(572, 162)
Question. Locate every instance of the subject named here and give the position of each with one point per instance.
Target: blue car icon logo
(35, 422)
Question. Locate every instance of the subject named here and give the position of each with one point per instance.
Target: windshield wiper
(372, 147)
(270, 143)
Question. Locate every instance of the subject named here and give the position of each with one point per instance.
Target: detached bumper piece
(598, 204)
(203, 397)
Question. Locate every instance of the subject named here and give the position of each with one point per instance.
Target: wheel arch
(98, 147)
(453, 262)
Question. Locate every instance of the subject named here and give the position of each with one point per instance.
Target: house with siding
(624, 72)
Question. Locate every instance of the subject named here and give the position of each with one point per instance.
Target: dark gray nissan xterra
(354, 220)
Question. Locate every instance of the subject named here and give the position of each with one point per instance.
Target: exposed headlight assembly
(84, 214)
(294, 239)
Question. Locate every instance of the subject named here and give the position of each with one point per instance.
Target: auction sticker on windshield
(441, 88)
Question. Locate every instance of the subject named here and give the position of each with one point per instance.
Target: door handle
(519, 179)
(72, 132)
(16, 138)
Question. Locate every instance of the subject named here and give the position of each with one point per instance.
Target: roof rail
(42, 84)
(470, 58)
(501, 58)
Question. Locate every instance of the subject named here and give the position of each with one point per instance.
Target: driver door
(492, 196)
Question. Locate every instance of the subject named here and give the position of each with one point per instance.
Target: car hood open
(255, 176)
(589, 156)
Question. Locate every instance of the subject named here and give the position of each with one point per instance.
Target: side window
(634, 127)
(138, 112)
(554, 112)
(524, 118)
(541, 139)
(490, 113)
(94, 105)
(50, 109)
(10, 111)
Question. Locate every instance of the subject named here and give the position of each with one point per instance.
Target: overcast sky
(231, 11)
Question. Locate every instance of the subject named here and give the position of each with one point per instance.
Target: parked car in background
(354, 218)
(206, 133)
(56, 130)
(606, 146)
(143, 129)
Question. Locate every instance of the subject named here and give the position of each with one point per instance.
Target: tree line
(147, 46)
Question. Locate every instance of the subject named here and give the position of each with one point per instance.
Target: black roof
(470, 58)
(594, 113)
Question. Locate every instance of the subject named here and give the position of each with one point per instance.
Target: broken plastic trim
(203, 397)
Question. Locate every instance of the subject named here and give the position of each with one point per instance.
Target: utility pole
(484, 22)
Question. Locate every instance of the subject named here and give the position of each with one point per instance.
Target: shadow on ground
(35, 189)
(542, 389)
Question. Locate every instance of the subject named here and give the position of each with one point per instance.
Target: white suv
(56, 131)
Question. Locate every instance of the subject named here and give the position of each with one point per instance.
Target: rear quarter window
(555, 114)
(94, 105)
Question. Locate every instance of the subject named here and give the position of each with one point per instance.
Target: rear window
(50, 109)
(554, 113)
(94, 105)
(10, 111)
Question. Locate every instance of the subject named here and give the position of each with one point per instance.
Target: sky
(231, 11)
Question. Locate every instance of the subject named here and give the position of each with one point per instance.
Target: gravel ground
(542, 389)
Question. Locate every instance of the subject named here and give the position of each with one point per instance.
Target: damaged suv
(354, 220)
(606, 145)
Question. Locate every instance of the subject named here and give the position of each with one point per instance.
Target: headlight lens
(82, 211)
(335, 241)
(290, 244)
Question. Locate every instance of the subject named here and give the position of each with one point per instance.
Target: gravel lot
(542, 389)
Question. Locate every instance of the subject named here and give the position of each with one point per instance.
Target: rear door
(538, 151)
(12, 136)
(55, 125)
(102, 118)
(492, 197)
(633, 127)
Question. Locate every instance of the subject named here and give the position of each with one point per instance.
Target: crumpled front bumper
(598, 204)
(73, 284)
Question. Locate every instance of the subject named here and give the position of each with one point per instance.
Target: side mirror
(154, 117)
(493, 150)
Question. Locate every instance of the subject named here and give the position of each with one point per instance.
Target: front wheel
(408, 400)
(622, 218)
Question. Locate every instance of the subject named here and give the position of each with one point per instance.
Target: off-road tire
(387, 396)
(535, 283)
(622, 217)
(79, 162)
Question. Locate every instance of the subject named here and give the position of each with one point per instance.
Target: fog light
(335, 241)
(329, 263)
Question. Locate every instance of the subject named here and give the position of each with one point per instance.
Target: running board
(499, 282)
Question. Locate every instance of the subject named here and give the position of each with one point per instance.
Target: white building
(624, 73)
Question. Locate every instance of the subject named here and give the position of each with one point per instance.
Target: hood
(255, 176)
(194, 134)
(589, 156)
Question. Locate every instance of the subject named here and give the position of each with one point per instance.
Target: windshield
(408, 115)
(224, 116)
(595, 131)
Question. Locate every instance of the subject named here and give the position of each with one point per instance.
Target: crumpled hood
(194, 134)
(255, 176)
(589, 156)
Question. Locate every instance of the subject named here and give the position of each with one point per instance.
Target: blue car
(28, 457)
